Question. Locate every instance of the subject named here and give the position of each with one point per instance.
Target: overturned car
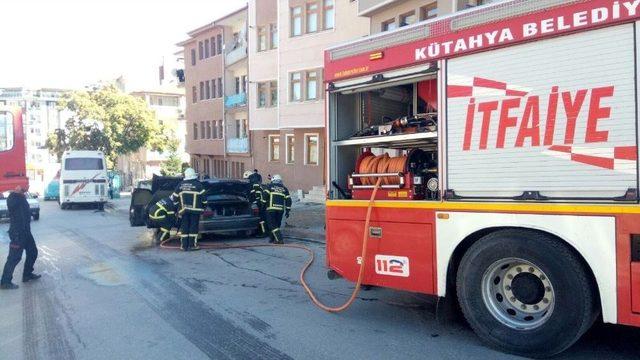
(228, 207)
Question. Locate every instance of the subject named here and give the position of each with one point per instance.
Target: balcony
(235, 101)
(368, 7)
(238, 145)
(237, 53)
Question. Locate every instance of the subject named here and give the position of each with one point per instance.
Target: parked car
(52, 192)
(32, 199)
(228, 207)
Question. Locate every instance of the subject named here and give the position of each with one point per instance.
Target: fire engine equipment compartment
(388, 131)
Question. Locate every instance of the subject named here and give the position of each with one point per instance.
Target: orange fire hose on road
(312, 256)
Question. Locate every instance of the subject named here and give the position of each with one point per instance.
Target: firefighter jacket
(276, 197)
(255, 196)
(190, 195)
(163, 209)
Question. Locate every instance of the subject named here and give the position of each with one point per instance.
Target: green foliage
(172, 166)
(110, 121)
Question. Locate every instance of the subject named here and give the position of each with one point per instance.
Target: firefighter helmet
(247, 174)
(190, 174)
(276, 179)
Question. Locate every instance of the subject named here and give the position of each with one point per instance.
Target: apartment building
(286, 59)
(215, 77)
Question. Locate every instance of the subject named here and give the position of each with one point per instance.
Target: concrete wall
(307, 52)
(263, 65)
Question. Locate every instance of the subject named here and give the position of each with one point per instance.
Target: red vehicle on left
(13, 170)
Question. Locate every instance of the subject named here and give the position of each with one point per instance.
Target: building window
(389, 25)
(328, 14)
(200, 50)
(290, 143)
(202, 130)
(305, 85)
(312, 17)
(262, 95)
(311, 149)
(214, 129)
(195, 131)
(193, 57)
(262, 38)
(312, 85)
(194, 94)
(208, 129)
(237, 85)
(238, 130)
(273, 92)
(274, 147)
(206, 48)
(274, 36)
(219, 43)
(407, 19)
(429, 12)
(212, 42)
(296, 86)
(220, 130)
(220, 90)
(201, 90)
(296, 21)
(207, 87)
(213, 89)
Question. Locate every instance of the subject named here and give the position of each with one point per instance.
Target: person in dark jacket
(277, 202)
(163, 214)
(20, 239)
(190, 195)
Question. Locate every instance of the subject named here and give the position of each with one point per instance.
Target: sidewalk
(306, 221)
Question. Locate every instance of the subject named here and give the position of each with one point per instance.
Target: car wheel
(101, 206)
(526, 293)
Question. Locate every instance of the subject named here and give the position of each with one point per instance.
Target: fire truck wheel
(526, 293)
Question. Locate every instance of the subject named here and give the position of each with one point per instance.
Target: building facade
(272, 106)
(42, 116)
(168, 106)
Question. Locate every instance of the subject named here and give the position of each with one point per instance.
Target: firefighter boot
(184, 242)
(277, 236)
(193, 243)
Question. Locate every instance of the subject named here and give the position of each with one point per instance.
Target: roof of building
(212, 25)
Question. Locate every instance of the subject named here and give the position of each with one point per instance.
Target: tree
(172, 166)
(107, 120)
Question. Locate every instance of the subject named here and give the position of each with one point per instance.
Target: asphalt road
(108, 293)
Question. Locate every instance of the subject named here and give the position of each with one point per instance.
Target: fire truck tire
(526, 293)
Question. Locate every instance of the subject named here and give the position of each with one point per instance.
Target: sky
(73, 43)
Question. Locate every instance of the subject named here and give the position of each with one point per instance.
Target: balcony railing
(236, 54)
(236, 100)
(238, 145)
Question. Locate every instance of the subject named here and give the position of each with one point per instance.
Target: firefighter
(191, 203)
(163, 213)
(255, 197)
(20, 239)
(277, 202)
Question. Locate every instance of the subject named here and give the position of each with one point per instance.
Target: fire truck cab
(506, 138)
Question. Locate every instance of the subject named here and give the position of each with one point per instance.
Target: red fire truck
(12, 150)
(506, 141)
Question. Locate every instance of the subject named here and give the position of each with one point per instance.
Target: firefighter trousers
(273, 220)
(262, 226)
(15, 255)
(189, 229)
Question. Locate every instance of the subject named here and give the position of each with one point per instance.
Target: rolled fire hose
(382, 164)
(309, 262)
